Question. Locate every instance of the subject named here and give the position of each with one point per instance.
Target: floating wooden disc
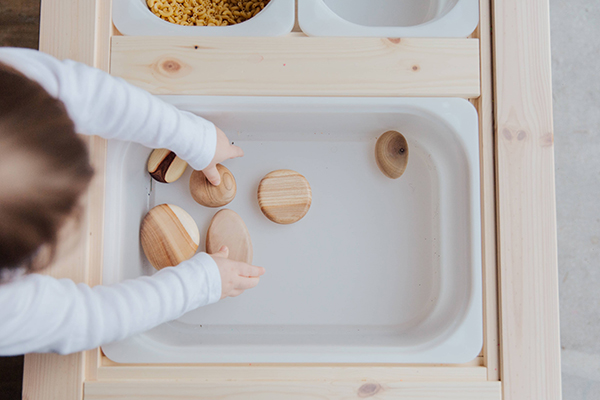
(169, 236)
(391, 154)
(165, 166)
(209, 195)
(227, 228)
(284, 196)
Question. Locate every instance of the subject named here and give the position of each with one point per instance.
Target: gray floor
(575, 57)
(576, 54)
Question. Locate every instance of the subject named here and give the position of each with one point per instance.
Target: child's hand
(236, 276)
(225, 151)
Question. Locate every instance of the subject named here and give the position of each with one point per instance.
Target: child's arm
(43, 314)
(103, 105)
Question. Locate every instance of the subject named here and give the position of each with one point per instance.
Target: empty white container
(378, 271)
(388, 18)
(132, 17)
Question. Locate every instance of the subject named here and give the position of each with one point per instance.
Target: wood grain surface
(484, 104)
(391, 154)
(526, 201)
(299, 66)
(383, 374)
(209, 195)
(284, 196)
(169, 235)
(227, 228)
(184, 390)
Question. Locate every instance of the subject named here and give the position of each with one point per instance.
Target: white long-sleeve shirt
(42, 314)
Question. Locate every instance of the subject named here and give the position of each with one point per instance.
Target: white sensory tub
(378, 271)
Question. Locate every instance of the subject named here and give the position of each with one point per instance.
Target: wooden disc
(207, 194)
(284, 196)
(227, 228)
(391, 154)
(165, 166)
(169, 235)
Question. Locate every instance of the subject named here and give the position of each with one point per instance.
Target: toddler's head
(44, 169)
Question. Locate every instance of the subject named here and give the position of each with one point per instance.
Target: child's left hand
(225, 151)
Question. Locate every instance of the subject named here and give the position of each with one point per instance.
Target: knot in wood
(368, 390)
(171, 66)
(547, 140)
(395, 40)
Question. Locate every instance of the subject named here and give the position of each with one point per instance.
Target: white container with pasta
(134, 17)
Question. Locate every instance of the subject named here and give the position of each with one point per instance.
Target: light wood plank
(526, 201)
(387, 373)
(292, 390)
(104, 32)
(484, 106)
(76, 30)
(50, 376)
(299, 66)
(97, 148)
(67, 29)
(95, 211)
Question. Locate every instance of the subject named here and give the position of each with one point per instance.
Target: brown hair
(44, 169)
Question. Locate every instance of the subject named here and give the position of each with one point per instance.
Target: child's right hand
(224, 151)
(236, 276)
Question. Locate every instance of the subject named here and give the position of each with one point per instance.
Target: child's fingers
(222, 253)
(250, 270)
(246, 283)
(212, 175)
(235, 151)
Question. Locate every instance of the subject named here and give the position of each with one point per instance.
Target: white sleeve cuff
(213, 276)
(204, 133)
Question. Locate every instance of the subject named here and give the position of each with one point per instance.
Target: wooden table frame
(504, 69)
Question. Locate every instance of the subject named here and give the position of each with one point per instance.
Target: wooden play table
(504, 69)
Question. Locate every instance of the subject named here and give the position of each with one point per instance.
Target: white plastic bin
(378, 271)
(132, 17)
(388, 18)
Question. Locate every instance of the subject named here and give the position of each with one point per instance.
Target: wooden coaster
(391, 154)
(165, 166)
(207, 194)
(227, 228)
(169, 235)
(284, 196)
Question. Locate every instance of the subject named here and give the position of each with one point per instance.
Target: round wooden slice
(284, 196)
(391, 154)
(169, 235)
(227, 228)
(165, 166)
(207, 194)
